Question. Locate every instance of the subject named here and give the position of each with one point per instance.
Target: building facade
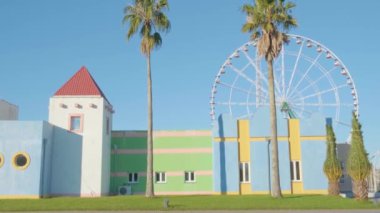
(76, 153)
(67, 156)
(8, 111)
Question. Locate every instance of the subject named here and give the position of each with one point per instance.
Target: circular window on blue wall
(1, 160)
(21, 160)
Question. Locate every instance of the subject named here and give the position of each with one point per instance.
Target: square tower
(81, 107)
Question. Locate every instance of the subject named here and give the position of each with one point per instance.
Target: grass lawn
(185, 203)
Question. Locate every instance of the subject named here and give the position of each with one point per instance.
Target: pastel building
(67, 156)
(76, 153)
(8, 111)
(182, 162)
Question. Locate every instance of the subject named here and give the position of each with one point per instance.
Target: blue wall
(225, 167)
(260, 123)
(66, 163)
(55, 159)
(21, 136)
(260, 168)
(225, 156)
(313, 156)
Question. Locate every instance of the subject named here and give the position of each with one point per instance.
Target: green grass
(185, 203)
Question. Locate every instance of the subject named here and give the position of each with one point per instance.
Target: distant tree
(358, 165)
(148, 17)
(332, 167)
(265, 20)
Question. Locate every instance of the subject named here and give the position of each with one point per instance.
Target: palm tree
(358, 165)
(331, 167)
(148, 17)
(264, 20)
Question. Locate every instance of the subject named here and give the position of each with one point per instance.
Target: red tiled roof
(81, 84)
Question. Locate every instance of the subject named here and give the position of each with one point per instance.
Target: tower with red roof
(81, 107)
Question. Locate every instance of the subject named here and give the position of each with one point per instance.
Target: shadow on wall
(66, 156)
(222, 148)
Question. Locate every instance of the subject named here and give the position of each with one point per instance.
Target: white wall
(8, 111)
(96, 143)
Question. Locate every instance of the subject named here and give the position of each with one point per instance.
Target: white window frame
(243, 172)
(133, 175)
(189, 175)
(161, 177)
(293, 176)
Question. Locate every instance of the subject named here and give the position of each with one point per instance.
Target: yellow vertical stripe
(243, 139)
(294, 139)
(244, 151)
(295, 151)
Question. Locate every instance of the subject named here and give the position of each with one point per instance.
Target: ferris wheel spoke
(342, 123)
(240, 73)
(295, 67)
(305, 74)
(240, 104)
(323, 104)
(302, 109)
(325, 74)
(322, 92)
(235, 87)
(261, 75)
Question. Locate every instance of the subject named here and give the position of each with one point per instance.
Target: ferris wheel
(309, 78)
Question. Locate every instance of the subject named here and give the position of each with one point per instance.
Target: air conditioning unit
(125, 190)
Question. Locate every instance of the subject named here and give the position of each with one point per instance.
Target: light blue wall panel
(261, 170)
(225, 126)
(260, 123)
(66, 163)
(314, 125)
(225, 167)
(284, 158)
(46, 159)
(260, 166)
(313, 156)
(21, 136)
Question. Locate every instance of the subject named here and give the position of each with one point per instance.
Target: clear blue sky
(44, 42)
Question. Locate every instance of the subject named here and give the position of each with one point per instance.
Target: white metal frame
(286, 89)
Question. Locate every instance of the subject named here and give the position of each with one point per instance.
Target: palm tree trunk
(149, 174)
(276, 188)
(334, 188)
(360, 189)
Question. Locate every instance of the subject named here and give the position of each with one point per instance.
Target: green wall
(174, 164)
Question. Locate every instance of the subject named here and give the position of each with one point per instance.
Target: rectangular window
(244, 172)
(75, 123)
(133, 177)
(295, 170)
(160, 177)
(189, 177)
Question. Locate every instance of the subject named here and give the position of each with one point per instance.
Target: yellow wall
(244, 150)
(295, 151)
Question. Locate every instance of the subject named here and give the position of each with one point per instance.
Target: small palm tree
(264, 20)
(332, 167)
(358, 165)
(148, 17)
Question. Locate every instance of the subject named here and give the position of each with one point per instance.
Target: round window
(1, 160)
(21, 160)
